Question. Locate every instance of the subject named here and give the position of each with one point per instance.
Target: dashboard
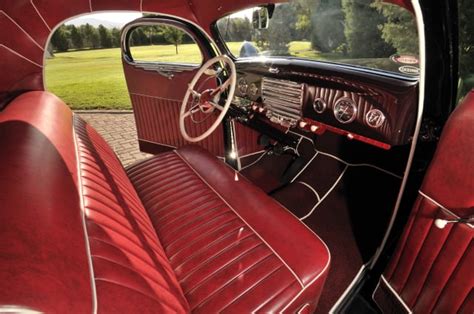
(361, 104)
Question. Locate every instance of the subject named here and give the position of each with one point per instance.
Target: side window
(466, 47)
(163, 44)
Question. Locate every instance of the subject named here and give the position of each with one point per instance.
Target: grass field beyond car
(94, 79)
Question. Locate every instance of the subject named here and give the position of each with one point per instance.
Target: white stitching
(311, 188)
(326, 195)
(83, 209)
(261, 238)
(20, 55)
(41, 16)
(26, 33)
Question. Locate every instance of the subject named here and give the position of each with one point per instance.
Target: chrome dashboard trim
(283, 100)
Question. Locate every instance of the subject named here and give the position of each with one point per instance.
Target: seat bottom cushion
(231, 246)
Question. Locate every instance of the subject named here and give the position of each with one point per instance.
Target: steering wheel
(206, 102)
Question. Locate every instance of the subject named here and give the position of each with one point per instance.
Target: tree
(399, 30)
(466, 37)
(76, 37)
(59, 40)
(364, 37)
(173, 36)
(327, 25)
(105, 38)
(115, 33)
(90, 36)
(138, 37)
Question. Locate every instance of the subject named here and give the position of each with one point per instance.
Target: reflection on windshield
(366, 33)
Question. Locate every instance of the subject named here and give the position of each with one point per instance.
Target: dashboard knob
(314, 128)
(303, 124)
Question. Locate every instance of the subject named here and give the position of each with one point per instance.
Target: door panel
(432, 268)
(157, 89)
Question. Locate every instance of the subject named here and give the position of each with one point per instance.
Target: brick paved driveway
(118, 129)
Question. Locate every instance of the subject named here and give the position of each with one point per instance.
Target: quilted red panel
(432, 268)
(157, 122)
(220, 260)
(131, 270)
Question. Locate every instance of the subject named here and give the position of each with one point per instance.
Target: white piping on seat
(447, 211)
(248, 225)
(83, 210)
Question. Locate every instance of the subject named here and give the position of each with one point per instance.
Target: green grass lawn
(94, 79)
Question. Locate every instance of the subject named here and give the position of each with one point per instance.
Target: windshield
(365, 33)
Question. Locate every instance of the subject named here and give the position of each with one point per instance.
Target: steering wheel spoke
(206, 100)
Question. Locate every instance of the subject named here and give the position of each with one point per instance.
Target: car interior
(277, 183)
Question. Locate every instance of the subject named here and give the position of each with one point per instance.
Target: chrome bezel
(351, 103)
(325, 105)
(244, 82)
(380, 120)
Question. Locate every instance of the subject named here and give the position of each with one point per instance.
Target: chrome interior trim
(283, 100)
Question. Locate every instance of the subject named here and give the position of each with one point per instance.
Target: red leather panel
(157, 121)
(127, 256)
(22, 73)
(43, 259)
(246, 140)
(431, 269)
(232, 247)
(21, 42)
(132, 5)
(55, 12)
(453, 163)
(25, 15)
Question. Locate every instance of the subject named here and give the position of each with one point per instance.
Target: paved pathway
(118, 129)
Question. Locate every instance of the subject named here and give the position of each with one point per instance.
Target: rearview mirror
(260, 18)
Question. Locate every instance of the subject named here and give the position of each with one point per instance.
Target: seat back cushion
(75, 236)
(131, 270)
(432, 268)
(43, 256)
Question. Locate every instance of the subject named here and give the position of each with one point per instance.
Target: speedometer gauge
(345, 110)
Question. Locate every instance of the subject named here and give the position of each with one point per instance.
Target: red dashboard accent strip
(351, 136)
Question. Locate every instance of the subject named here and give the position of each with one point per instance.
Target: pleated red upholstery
(432, 268)
(78, 238)
(232, 247)
(131, 270)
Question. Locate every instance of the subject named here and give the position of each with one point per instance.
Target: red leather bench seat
(174, 233)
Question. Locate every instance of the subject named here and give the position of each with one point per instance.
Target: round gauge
(319, 105)
(253, 89)
(345, 110)
(374, 118)
(242, 86)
